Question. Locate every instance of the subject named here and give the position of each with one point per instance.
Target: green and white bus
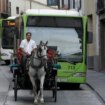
(64, 29)
(8, 30)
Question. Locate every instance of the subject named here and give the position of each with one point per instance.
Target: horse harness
(40, 58)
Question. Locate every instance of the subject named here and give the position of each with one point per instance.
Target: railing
(100, 6)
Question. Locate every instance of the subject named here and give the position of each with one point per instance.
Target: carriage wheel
(55, 90)
(15, 88)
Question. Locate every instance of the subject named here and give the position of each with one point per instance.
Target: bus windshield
(64, 33)
(8, 37)
(66, 40)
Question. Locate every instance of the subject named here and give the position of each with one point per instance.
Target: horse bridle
(39, 51)
(39, 57)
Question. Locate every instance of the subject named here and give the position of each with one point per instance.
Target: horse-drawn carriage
(37, 73)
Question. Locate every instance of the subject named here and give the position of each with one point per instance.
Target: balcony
(100, 6)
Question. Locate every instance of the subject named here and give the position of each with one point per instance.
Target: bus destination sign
(8, 23)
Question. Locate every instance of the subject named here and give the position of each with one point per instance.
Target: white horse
(38, 62)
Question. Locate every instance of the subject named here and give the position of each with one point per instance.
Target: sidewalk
(4, 86)
(97, 81)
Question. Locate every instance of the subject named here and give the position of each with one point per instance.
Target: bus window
(8, 37)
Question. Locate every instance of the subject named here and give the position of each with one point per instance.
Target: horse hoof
(41, 100)
(35, 102)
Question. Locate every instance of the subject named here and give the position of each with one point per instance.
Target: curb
(97, 93)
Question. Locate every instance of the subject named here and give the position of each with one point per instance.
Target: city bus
(8, 30)
(64, 30)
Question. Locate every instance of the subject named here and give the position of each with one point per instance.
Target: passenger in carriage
(27, 46)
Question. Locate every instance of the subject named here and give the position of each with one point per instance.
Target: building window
(62, 3)
(52, 2)
(74, 4)
(78, 4)
(9, 9)
(17, 10)
(70, 4)
(7, 5)
(65, 4)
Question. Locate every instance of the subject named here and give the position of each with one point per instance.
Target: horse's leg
(34, 88)
(41, 88)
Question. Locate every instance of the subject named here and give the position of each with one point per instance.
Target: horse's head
(42, 50)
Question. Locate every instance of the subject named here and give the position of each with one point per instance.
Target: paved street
(84, 96)
(4, 85)
(96, 80)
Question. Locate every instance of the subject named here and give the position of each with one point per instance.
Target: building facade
(93, 46)
(4, 8)
(18, 6)
(101, 14)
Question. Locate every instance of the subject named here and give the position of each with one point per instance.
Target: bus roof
(12, 17)
(52, 12)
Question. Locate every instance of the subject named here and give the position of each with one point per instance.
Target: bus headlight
(79, 74)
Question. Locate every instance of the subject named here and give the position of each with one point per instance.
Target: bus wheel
(7, 62)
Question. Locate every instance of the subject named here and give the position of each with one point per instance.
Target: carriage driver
(27, 46)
